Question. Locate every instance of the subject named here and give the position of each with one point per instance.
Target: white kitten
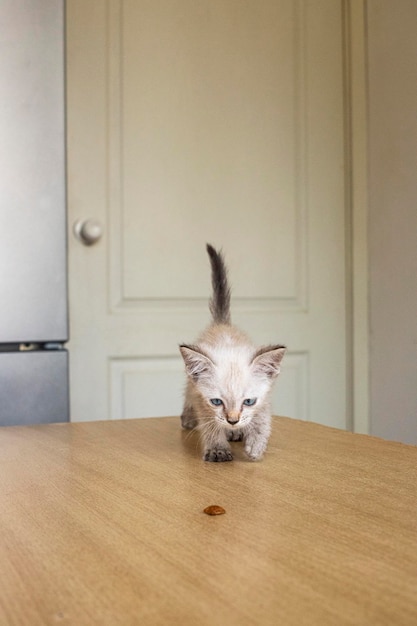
(229, 380)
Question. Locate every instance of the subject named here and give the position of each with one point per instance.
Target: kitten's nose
(233, 418)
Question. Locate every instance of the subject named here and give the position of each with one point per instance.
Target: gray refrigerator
(33, 256)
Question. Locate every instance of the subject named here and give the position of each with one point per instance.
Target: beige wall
(392, 67)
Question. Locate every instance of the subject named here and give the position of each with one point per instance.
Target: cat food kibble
(214, 509)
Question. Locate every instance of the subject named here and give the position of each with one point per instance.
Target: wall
(392, 76)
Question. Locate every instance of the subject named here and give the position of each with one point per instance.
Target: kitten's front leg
(257, 438)
(216, 447)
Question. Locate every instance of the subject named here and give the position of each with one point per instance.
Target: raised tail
(220, 300)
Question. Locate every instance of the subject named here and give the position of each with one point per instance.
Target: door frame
(356, 205)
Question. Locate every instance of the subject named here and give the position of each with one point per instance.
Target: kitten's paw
(217, 455)
(234, 435)
(255, 451)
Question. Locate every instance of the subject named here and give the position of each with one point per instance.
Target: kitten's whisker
(190, 433)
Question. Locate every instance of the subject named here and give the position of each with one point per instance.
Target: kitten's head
(234, 384)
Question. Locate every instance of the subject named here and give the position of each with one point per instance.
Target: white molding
(134, 375)
(118, 301)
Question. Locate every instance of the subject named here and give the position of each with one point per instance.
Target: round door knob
(88, 231)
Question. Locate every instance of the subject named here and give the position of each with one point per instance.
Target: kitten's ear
(197, 364)
(267, 361)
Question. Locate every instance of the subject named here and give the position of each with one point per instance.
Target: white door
(194, 121)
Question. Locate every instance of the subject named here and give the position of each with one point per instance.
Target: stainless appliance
(33, 284)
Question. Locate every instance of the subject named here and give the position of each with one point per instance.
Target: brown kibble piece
(214, 509)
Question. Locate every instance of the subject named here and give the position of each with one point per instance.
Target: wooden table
(103, 523)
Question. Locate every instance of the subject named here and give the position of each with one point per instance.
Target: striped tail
(220, 301)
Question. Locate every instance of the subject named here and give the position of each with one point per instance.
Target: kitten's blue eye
(216, 401)
(249, 401)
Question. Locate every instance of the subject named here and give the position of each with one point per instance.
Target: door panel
(215, 121)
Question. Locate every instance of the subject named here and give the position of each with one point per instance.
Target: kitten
(229, 380)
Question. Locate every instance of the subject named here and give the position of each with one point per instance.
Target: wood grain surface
(103, 523)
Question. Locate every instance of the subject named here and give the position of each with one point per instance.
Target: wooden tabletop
(103, 523)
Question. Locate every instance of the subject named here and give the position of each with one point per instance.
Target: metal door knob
(88, 231)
